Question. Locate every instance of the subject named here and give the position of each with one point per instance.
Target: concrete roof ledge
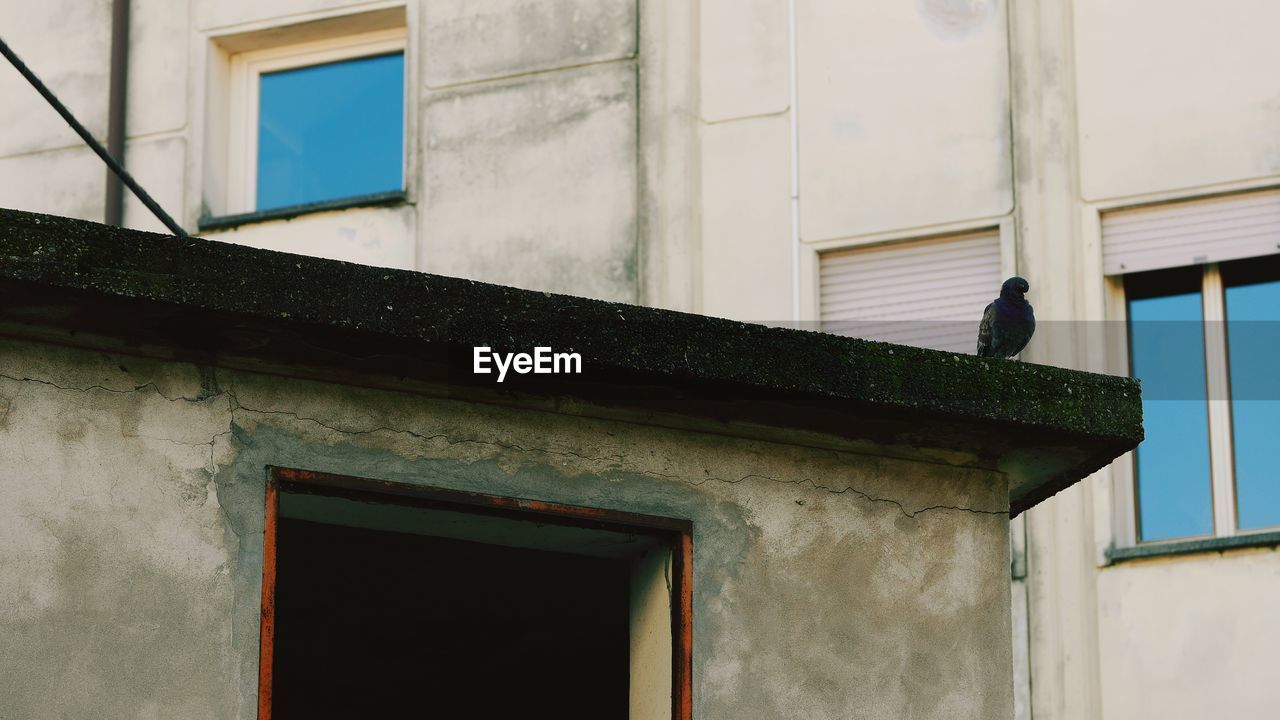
(216, 302)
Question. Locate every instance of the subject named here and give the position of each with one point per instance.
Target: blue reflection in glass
(1253, 344)
(331, 131)
(1166, 338)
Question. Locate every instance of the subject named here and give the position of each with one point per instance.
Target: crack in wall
(148, 385)
(52, 533)
(867, 496)
(617, 459)
(212, 466)
(210, 389)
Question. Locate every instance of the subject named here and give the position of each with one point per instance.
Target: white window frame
(1221, 449)
(243, 101)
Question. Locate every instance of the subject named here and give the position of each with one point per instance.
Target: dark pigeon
(1008, 322)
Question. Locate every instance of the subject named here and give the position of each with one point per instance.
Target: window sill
(1188, 547)
(226, 222)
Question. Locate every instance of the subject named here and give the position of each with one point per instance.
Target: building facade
(286, 499)
(800, 161)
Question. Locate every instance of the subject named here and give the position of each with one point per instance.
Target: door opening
(401, 601)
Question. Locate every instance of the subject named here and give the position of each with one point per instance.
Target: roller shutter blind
(927, 293)
(1191, 232)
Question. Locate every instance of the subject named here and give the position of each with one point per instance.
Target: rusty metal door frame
(675, 533)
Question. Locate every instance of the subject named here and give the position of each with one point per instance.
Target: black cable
(116, 168)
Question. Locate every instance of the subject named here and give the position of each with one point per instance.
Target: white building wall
(1173, 103)
(904, 115)
(43, 164)
(1191, 637)
(746, 159)
(1173, 94)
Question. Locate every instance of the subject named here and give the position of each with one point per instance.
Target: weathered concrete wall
(827, 584)
(43, 164)
(521, 163)
(532, 182)
(745, 114)
(909, 117)
(77, 68)
(68, 181)
(466, 42)
(746, 219)
(904, 115)
(116, 561)
(371, 236)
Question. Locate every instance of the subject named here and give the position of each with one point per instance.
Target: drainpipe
(114, 207)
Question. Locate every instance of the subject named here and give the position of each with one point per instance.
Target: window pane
(1166, 336)
(1253, 344)
(331, 131)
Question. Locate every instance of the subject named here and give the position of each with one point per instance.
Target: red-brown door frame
(677, 533)
(267, 633)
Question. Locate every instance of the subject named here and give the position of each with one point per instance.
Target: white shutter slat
(927, 293)
(1245, 214)
(887, 275)
(1191, 232)
(948, 308)
(947, 283)
(1198, 207)
(962, 251)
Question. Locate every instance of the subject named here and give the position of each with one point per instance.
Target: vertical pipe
(116, 106)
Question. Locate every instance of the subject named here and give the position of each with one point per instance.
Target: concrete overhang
(220, 304)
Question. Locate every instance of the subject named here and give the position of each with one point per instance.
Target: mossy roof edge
(420, 307)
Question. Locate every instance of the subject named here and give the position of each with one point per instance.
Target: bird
(1008, 322)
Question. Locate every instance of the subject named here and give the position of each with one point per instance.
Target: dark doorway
(374, 623)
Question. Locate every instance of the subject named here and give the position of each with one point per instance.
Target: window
(394, 600)
(1166, 350)
(1252, 299)
(1201, 285)
(1204, 341)
(317, 122)
(927, 292)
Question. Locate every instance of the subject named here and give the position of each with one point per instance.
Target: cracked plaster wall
(827, 585)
